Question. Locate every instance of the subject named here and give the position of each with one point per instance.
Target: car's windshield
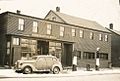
(34, 58)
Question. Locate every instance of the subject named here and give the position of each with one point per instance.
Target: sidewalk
(10, 73)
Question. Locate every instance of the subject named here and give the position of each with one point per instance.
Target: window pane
(81, 33)
(73, 32)
(21, 24)
(15, 41)
(100, 36)
(91, 35)
(35, 26)
(61, 31)
(106, 37)
(49, 28)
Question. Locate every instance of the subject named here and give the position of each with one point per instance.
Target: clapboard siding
(84, 44)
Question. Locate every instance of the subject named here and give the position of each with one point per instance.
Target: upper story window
(81, 33)
(91, 35)
(35, 26)
(62, 31)
(54, 18)
(49, 29)
(21, 24)
(73, 32)
(106, 37)
(16, 41)
(100, 37)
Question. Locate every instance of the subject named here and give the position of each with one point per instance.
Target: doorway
(43, 47)
(67, 56)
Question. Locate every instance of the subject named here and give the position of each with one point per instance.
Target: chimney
(57, 9)
(111, 26)
(18, 11)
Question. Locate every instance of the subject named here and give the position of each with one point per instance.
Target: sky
(102, 11)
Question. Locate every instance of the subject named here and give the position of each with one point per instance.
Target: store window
(79, 54)
(103, 56)
(88, 55)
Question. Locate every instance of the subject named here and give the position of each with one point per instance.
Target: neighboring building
(58, 34)
(115, 46)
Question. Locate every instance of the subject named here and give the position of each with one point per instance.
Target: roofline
(112, 31)
(7, 12)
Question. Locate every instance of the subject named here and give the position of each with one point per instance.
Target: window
(21, 24)
(91, 35)
(35, 26)
(54, 18)
(79, 54)
(61, 31)
(49, 28)
(106, 37)
(100, 37)
(73, 32)
(88, 55)
(103, 56)
(81, 33)
(16, 41)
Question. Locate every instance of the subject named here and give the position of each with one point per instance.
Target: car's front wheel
(27, 70)
(56, 70)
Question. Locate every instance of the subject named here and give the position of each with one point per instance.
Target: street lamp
(97, 59)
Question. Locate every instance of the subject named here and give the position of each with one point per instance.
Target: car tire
(56, 70)
(27, 70)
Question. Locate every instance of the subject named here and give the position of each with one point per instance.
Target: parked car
(39, 63)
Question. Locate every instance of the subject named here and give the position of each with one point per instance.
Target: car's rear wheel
(27, 70)
(56, 70)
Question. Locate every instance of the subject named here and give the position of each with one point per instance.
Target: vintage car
(39, 63)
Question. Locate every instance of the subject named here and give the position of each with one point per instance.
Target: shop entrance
(67, 56)
(43, 47)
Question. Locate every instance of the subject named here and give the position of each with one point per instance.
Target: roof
(114, 31)
(79, 21)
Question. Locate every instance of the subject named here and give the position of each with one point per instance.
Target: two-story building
(115, 46)
(58, 34)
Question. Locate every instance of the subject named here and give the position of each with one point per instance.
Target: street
(104, 77)
(80, 75)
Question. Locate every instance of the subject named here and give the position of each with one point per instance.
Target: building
(115, 46)
(58, 34)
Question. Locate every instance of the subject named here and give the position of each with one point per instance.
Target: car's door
(49, 62)
(40, 63)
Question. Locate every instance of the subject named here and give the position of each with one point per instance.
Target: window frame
(100, 37)
(16, 41)
(73, 32)
(106, 38)
(49, 29)
(62, 29)
(35, 27)
(21, 24)
(91, 35)
(81, 33)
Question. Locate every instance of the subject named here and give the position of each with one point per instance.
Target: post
(97, 59)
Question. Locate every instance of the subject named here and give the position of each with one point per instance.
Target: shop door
(43, 48)
(16, 54)
(67, 56)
